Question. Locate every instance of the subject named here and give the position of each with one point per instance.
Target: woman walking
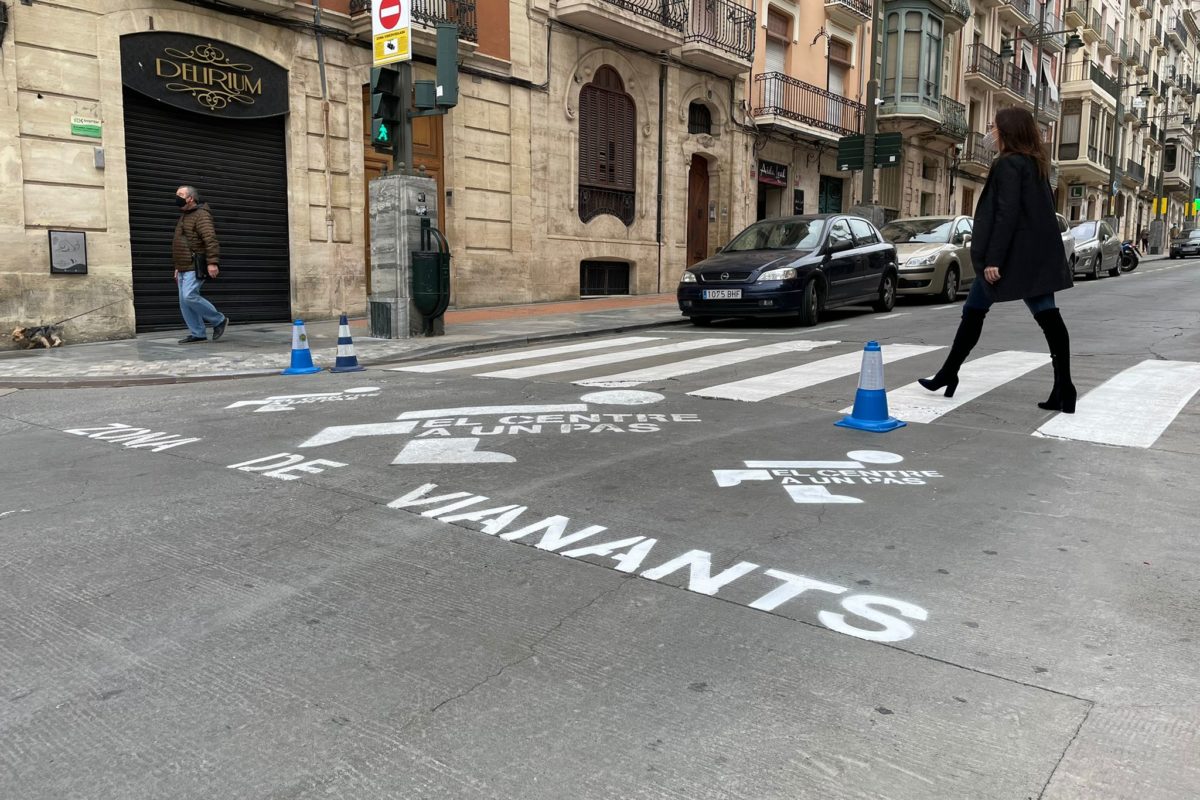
(1017, 247)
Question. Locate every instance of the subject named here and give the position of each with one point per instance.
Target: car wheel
(810, 305)
(887, 293)
(950, 287)
(1116, 268)
(701, 322)
(1096, 269)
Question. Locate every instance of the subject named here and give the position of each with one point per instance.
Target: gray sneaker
(219, 330)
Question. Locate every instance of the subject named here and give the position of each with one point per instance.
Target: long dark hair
(1019, 134)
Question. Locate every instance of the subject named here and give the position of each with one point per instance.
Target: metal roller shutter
(240, 169)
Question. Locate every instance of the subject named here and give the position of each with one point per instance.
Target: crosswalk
(1132, 408)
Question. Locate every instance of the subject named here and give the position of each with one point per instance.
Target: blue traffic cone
(302, 363)
(870, 402)
(347, 361)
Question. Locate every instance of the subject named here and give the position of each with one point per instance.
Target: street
(642, 565)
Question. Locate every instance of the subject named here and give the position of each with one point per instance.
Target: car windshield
(930, 231)
(1085, 231)
(779, 234)
(1193, 235)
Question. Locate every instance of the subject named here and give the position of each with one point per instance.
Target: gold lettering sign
(212, 79)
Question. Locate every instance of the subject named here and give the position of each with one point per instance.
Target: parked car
(1097, 250)
(934, 254)
(792, 266)
(1068, 240)
(1187, 243)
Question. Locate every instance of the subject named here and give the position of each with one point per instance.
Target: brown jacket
(195, 232)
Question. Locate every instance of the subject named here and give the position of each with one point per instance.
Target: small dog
(37, 336)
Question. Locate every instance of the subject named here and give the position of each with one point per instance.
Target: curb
(118, 381)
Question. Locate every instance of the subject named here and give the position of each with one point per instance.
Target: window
(598, 278)
(839, 232)
(607, 148)
(913, 57)
(699, 118)
(933, 59)
(1170, 158)
(1070, 125)
(929, 169)
(863, 232)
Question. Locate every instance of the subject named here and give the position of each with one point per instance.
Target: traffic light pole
(403, 149)
(870, 121)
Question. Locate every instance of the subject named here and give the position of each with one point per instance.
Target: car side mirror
(840, 246)
(720, 249)
(966, 239)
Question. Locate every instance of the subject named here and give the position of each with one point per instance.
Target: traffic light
(386, 109)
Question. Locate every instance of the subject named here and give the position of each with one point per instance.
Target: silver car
(1068, 240)
(934, 255)
(1097, 250)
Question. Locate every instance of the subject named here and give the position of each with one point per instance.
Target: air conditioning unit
(1076, 191)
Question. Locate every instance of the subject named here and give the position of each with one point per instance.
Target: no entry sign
(391, 29)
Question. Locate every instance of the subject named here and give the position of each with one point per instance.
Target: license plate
(722, 294)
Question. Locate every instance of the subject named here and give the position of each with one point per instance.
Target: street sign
(887, 149)
(391, 31)
(850, 153)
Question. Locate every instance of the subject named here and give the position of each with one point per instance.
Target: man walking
(195, 248)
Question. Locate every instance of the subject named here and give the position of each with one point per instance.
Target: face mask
(179, 201)
(989, 140)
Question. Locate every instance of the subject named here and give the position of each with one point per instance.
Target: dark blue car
(793, 266)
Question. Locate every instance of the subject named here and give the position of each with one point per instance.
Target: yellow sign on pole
(391, 31)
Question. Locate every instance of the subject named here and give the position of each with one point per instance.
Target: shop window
(607, 148)
(600, 278)
(699, 118)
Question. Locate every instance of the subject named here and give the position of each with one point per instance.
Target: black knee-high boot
(965, 340)
(1063, 395)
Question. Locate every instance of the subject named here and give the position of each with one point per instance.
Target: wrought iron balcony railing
(784, 96)
(722, 23)
(954, 118)
(975, 152)
(858, 6)
(668, 13)
(431, 12)
(985, 61)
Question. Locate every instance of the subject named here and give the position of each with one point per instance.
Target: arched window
(699, 118)
(607, 148)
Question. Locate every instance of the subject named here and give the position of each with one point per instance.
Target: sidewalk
(265, 349)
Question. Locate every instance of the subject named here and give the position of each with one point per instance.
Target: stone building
(598, 147)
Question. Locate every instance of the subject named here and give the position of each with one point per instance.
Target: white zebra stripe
(764, 387)
(915, 403)
(606, 358)
(524, 355)
(1131, 409)
(702, 364)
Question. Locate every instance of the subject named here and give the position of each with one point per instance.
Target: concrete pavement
(265, 349)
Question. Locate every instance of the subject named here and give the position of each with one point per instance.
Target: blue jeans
(978, 299)
(197, 312)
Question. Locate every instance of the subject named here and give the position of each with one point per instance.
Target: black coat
(1016, 230)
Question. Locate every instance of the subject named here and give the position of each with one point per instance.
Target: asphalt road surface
(624, 567)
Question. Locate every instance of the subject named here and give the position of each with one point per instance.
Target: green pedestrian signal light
(386, 108)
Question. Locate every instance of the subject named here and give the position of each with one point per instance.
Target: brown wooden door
(697, 220)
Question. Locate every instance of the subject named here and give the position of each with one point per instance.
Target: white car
(1068, 240)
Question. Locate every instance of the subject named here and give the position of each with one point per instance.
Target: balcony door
(778, 34)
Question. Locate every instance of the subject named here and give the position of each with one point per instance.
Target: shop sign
(85, 126)
(773, 174)
(203, 75)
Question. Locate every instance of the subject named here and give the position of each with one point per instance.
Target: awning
(1048, 79)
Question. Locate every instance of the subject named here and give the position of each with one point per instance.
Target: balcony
(1076, 14)
(1107, 45)
(1085, 164)
(1155, 84)
(976, 158)
(1050, 109)
(649, 24)
(1145, 10)
(1092, 29)
(1177, 32)
(1015, 12)
(847, 13)
(983, 5)
(794, 105)
(426, 14)
(719, 37)
(1136, 171)
(1156, 35)
(957, 13)
(1057, 42)
(1135, 56)
(954, 120)
(1016, 85)
(985, 70)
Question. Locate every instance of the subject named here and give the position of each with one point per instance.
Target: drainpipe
(325, 127)
(662, 117)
